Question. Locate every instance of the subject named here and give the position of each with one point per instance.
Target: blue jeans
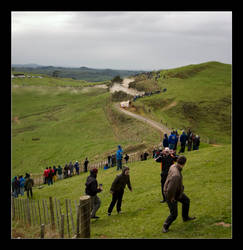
(49, 181)
(119, 164)
(21, 190)
(171, 146)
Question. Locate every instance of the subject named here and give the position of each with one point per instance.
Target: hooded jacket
(119, 153)
(91, 185)
(121, 181)
(172, 139)
(173, 187)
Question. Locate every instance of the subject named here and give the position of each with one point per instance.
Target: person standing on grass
(65, 171)
(189, 140)
(196, 142)
(59, 172)
(183, 139)
(50, 176)
(165, 141)
(174, 192)
(15, 184)
(92, 189)
(172, 140)
(86, 162)
(46, 171)
(119, 157)
(117, 190)
(76, 165)
(29, 183)
(126, 158)
(21, 185)
(55, 173)
(167, 160)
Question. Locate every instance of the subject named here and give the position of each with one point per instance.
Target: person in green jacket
(117, 190)
(29, 183)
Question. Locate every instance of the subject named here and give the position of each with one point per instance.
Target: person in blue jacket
(183, 139)
(165, 141)
(21, 185)
(119, 157)
(172, 140)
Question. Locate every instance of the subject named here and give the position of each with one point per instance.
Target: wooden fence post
(39, 211)
(28, 212)
(57, 215)
(42, 231)
(62, 225)
(67, 218)
(44, 211)
(52, 213)
(85, 216)
(71, 215)
(13, 209)
(78, 221)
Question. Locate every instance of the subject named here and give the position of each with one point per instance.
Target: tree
(55, 73)
(117, 79)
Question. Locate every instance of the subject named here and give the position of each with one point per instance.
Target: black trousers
(173, 206)
(116, 200)
(163, 179)
(29, 192)
(182, 150)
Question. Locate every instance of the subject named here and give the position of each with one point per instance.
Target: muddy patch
(223, 224)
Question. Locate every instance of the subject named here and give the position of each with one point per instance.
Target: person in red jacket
(46, 172)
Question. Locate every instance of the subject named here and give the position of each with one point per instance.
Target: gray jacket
(173, 187)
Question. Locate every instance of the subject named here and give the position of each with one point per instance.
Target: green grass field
(55, 121)
(69, 123)
(207, 181)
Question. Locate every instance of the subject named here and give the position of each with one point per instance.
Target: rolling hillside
(197, 96)
(57, 120)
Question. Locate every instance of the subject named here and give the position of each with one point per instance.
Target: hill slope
(198, 96)
(207, 183)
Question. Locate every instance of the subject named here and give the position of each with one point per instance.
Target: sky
(131, 40)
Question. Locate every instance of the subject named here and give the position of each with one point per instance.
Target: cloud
(141, 40)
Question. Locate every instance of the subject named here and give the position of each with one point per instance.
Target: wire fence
(71, 219)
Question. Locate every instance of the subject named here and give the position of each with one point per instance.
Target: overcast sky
(121, 40)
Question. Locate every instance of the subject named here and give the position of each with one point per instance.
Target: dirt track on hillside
(152, 123)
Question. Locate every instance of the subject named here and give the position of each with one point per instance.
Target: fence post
(42, 231)
(57, 215)
(13, 209)
(85, 216)
(71, 215)
(62, 225)
(78, 221)
(67, 218)
(28, 212)
(52, 213)
(39, 210)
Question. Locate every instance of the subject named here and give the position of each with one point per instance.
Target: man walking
(92, 189)
(117, 190)
(173, 190)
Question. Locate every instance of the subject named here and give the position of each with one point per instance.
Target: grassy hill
(207, 181)
(197, 96)
(56, 120)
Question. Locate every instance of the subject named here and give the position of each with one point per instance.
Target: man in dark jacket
(183, 139)
(166, 159)
(29, 183)
(86, 162)
(174, 192)
(117, 189)
(92, 189)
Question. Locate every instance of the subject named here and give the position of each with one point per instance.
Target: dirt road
(154, 124)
